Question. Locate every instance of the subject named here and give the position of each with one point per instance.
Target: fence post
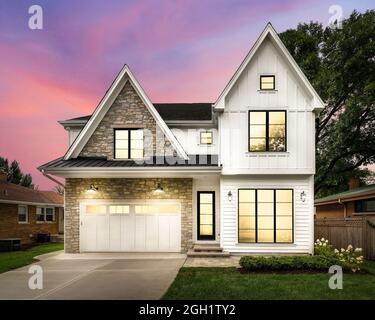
(364, 236)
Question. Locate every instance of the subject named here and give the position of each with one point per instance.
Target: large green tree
(14, 173)
(340, 63)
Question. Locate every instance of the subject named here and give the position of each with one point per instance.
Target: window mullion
(267, 131)
(129, 144)
(274, 215)
(256, 216)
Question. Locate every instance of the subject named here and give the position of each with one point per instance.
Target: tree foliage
(340, 63)
(14, 173)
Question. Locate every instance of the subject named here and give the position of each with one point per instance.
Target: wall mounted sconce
(230, 196)
(159, 189)
(303, 196)
(92, 189)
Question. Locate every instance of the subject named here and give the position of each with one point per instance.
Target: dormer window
(267, 82)
(128, 144)
(206, 137)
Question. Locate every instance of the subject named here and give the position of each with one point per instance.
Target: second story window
(267, 82)
(206, 137)
(267, 131)
(128, 144)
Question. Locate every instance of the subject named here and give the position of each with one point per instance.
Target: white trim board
(318, 103)
(104, 105)
(32, 203)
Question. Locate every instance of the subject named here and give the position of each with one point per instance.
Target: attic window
(128, 144)
(267, 82)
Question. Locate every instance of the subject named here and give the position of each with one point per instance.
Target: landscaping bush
(325, 256)
(288, 263)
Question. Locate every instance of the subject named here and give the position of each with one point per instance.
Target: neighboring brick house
(354, 202)
(236, 175)
(25, 212)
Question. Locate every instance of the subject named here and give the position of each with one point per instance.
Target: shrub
(287, 263)
(350, 258)
(325, 256)
(323, 248)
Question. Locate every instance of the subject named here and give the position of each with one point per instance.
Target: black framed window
(267, 82)
(267, 131)
(128, 143)
(206, 137)
(367, 205)
(265, 216)
(206, 215)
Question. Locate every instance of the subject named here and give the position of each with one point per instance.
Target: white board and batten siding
(190, 140)
(303, 214)
(289, 95)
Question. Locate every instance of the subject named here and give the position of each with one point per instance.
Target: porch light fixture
(92, 189)
(303, 196)
(230, 196)
(159, 189)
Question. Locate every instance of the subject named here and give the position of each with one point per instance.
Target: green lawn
(17, 259)
(229, 283)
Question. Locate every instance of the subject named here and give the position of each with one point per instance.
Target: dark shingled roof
(15, 192)
(176, 112)
(86, 162)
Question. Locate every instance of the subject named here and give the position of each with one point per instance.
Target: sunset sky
(180, 51)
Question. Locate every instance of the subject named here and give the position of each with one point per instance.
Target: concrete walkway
(95, 276)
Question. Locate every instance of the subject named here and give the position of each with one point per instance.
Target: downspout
(344, 204)
(53, 179)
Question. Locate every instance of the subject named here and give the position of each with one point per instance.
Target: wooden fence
(344, 231)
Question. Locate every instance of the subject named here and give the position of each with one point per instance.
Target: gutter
(51, 178)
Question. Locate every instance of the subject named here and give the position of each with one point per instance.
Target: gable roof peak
(269, 30)
(121, 79)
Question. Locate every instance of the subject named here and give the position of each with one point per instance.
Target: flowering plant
(350, 258)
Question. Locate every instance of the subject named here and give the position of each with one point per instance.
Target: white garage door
(130, 227)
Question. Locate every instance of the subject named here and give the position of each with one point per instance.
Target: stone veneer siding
(121, 189)
(127, 111)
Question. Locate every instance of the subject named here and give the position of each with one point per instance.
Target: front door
(206, 215)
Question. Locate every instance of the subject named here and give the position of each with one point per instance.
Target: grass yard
(17, 259)
(229, 283)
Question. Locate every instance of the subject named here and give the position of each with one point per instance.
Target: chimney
(3, 176)
(354, 183)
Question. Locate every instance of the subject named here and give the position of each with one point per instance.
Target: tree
(14, 173)
(340, 63)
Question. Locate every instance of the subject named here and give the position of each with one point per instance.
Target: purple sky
(180, 51)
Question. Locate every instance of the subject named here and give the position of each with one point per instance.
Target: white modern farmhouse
(234, 176)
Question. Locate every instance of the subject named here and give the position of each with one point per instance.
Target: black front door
(206, 215)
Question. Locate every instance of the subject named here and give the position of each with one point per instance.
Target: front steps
(207, 251)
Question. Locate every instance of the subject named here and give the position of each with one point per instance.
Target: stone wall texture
(127, 111)
(10, 228)
(122, 189)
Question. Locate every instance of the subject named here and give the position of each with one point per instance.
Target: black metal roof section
(85, 162)
(175, 112)
(185, 111)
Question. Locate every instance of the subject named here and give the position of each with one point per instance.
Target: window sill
(267, 154)
(26, 222)
(363, 213)
(46, 222)
(246, 244)
(268, 91)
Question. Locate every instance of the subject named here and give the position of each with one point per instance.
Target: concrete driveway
(95, 276)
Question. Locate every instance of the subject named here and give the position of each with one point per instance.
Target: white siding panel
(303, 214)
(290, 96)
